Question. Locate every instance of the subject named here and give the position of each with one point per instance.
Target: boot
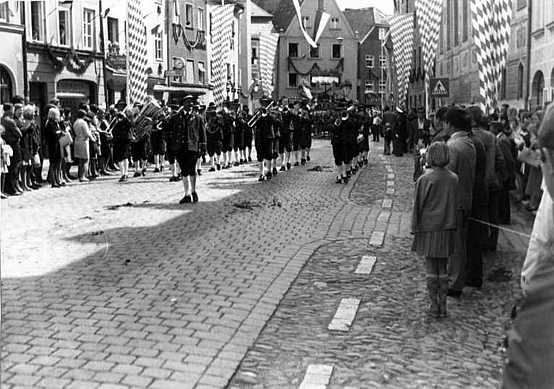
(432, 291)
(23, 179)
(442, 295)
(38, 175)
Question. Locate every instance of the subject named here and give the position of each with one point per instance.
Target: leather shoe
(454, 293)
(186, 199)
(194, 197)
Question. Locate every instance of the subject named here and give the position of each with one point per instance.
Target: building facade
(542, 52)
(331, 68)
(261, 22)
(12, 64)
(371, 27)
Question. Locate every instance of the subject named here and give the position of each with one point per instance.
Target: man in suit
(388, 123)
(462, 162)
(188, 134)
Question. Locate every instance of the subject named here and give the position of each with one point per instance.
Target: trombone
(252, 122)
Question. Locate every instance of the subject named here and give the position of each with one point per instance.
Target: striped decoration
(429, 15)
(402, 33)
(491, 25)
(268, 50)
(221, 17)
(137, 53)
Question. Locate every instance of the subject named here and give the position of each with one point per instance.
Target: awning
(116, 80)
(193, 89)
(325, 79)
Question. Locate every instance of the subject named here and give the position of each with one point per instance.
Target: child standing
(434, 223)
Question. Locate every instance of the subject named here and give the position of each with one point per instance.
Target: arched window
(538, 87)
(520, 81)
(6, 86)
(503, 84)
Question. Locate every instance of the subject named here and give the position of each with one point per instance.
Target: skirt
(434, 244)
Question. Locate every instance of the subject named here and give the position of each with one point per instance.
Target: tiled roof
(258, 12)
(360, 20)
(268, 5)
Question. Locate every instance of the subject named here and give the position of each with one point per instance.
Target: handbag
(66, 140)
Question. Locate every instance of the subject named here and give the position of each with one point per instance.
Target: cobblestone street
(110, 285)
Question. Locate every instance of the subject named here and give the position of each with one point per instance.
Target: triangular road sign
(439, 87)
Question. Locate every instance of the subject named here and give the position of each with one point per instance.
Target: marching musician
(171, 154)
(340, 143)
(214, 136)
(277, 123)
(263, 137)
(228, 135)
(157, 140)
(188, 140)
(122, 136)
(305, 128)
(285, 144)
(240, 128)
(139, 146)
(248, 135)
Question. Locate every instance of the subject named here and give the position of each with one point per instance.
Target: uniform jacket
(462, 162)
(188, 131)
(495, 159)
(341, 134)
(435, 207)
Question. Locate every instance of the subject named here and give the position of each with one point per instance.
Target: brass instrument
(252, 122)
(143, 123)
(167, 116)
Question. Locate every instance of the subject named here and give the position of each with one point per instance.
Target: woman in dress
(81, 144)
(53, 133)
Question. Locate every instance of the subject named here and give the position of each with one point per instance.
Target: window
(503, 81)
(456, 28)
(335, 24)
(64, 24)
(306, 21)
(113, 30)
(201, 73)
(314, 52)
(382, 34)
(254, 56)
(158, 45)
(465, 20)
(369, 61)
(382, 61)
(37, 21)
(293, 80)
(337, 51)
(520, 81)
(382, 86)
(448, 23)
(293, 50)
(188, 16)
(4, 12)
(189, 72)
(201, 19)
(88, 29)
(369, 86)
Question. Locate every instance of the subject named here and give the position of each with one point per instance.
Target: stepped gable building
(331, 68)
(370, 26)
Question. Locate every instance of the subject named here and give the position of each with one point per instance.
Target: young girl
(434, 223)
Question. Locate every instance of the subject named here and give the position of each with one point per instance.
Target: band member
(171, 154)
(248, 135)
(264, 136)
(157, 140)
(339, 142)
(214, 136)
(277, 122)
(201, 156)
(305, 129)
(240, 129)
(228, 135)
(285, 144)
(122, 135)
(188, 140)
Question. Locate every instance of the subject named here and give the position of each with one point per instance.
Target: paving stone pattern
(392, 342)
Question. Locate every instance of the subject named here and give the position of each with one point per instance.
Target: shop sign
(117, 61)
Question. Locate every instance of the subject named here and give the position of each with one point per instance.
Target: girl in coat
(434, 223)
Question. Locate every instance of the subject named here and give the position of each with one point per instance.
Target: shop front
(74, 92)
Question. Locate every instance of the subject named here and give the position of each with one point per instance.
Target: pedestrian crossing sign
(439, 87)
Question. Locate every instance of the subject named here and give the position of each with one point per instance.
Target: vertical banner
(268, 51)
(307, 36)
(491, 25)
(136, 54)
(221, 17)
(402, 33)
(429, 15)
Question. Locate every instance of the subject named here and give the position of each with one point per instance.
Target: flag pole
(127, 84)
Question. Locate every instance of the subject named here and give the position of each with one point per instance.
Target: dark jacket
(435, 201)
(480, 189)
(264, 129)
(462, 162)
(12, 134)
(188, 132)
(509, 176)
(341, 133)
(495, 159)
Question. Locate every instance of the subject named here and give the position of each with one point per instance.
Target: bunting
(429, 14)
(221, 17)
(402, 33)
(268, 51)
(309, 39)
(136, 53)
(491, 25)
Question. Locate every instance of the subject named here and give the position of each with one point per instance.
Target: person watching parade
(188, 134)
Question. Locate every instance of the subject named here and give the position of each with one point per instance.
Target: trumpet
(167, 116)
(252, 122)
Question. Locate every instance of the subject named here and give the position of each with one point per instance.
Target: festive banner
(221, 17)
(137, 53)
(429, 14)
(309, 39)
(402, 33)
(268, 51)
(321, 20)
(491, 25)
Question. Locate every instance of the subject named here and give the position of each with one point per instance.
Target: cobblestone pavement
(392, 343)
(110, 285)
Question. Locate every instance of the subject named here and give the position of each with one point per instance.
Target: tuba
(144, 121)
